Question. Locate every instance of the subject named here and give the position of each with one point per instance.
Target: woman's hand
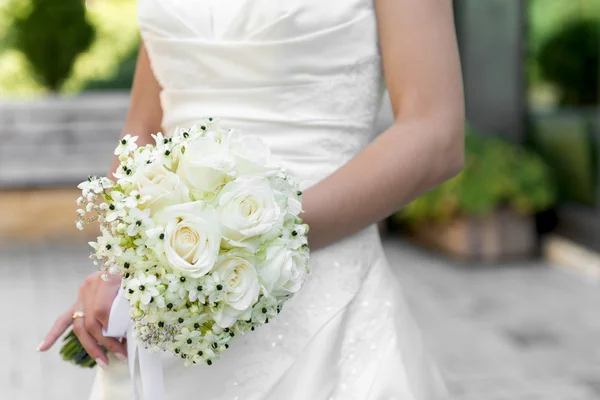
(94, 299)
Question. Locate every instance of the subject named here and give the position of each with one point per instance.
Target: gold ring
(78, 314)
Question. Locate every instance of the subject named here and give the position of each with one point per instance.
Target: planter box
(504, 235)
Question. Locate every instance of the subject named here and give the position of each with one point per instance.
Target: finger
(105, 295)
(113, 345)
(94, 328)
(104, 298)
(89, 343)
(60, 325)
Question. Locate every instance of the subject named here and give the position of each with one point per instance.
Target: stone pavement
(520, 332)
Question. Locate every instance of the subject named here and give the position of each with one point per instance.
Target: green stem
(89, 363)
(69, 348)
(72, 351)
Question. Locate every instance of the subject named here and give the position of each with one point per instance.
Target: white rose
(283, 271)
(191, 239)
(240, 290)
(251, 154)
(248, 209)
(205, 165)
(162, 186)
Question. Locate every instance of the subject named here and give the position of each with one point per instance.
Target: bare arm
(95, 296)
(423, 148)
(145, 113)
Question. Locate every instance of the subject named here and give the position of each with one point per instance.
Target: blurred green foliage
(496, 174)
(567, 141)
(51, 36)
(564, 71)
(546, 18)
(121, 79)
(570, 59)
(116, 39)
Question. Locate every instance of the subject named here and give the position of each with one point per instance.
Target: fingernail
(101, 363)
(39, 348)
(121, 357)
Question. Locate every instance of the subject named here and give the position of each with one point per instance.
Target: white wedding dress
(306, 76)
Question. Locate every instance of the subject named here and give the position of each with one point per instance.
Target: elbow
(456, 158)
(442, 135)
(455, 167)
(451, 149)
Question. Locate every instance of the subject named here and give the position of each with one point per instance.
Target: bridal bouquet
(205, 230)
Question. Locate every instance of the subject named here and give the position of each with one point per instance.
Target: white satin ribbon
(118, 320)
(150, 366)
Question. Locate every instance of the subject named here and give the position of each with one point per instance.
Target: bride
(308, 77)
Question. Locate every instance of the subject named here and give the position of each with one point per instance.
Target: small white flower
(87, 185)
(151, 238)
(195, 292)
(79, 225)
(185, 287)
(106, 183)
(178, 317)
(144, 288)
(160, 139)
(143, 156)
(265, 308)
(80, 212)
(121, 172)
(174, 300)
(295, 235)
(212, 288)
(138, 220)
(118, 196)
(115, 210)
(126, 144)
(135, 198)
(176, 286)
(130, 260)
(194, 132)
(107, 246)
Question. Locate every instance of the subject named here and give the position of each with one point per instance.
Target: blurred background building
(528, 198)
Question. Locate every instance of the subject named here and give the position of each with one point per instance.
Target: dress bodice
(305, 75)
